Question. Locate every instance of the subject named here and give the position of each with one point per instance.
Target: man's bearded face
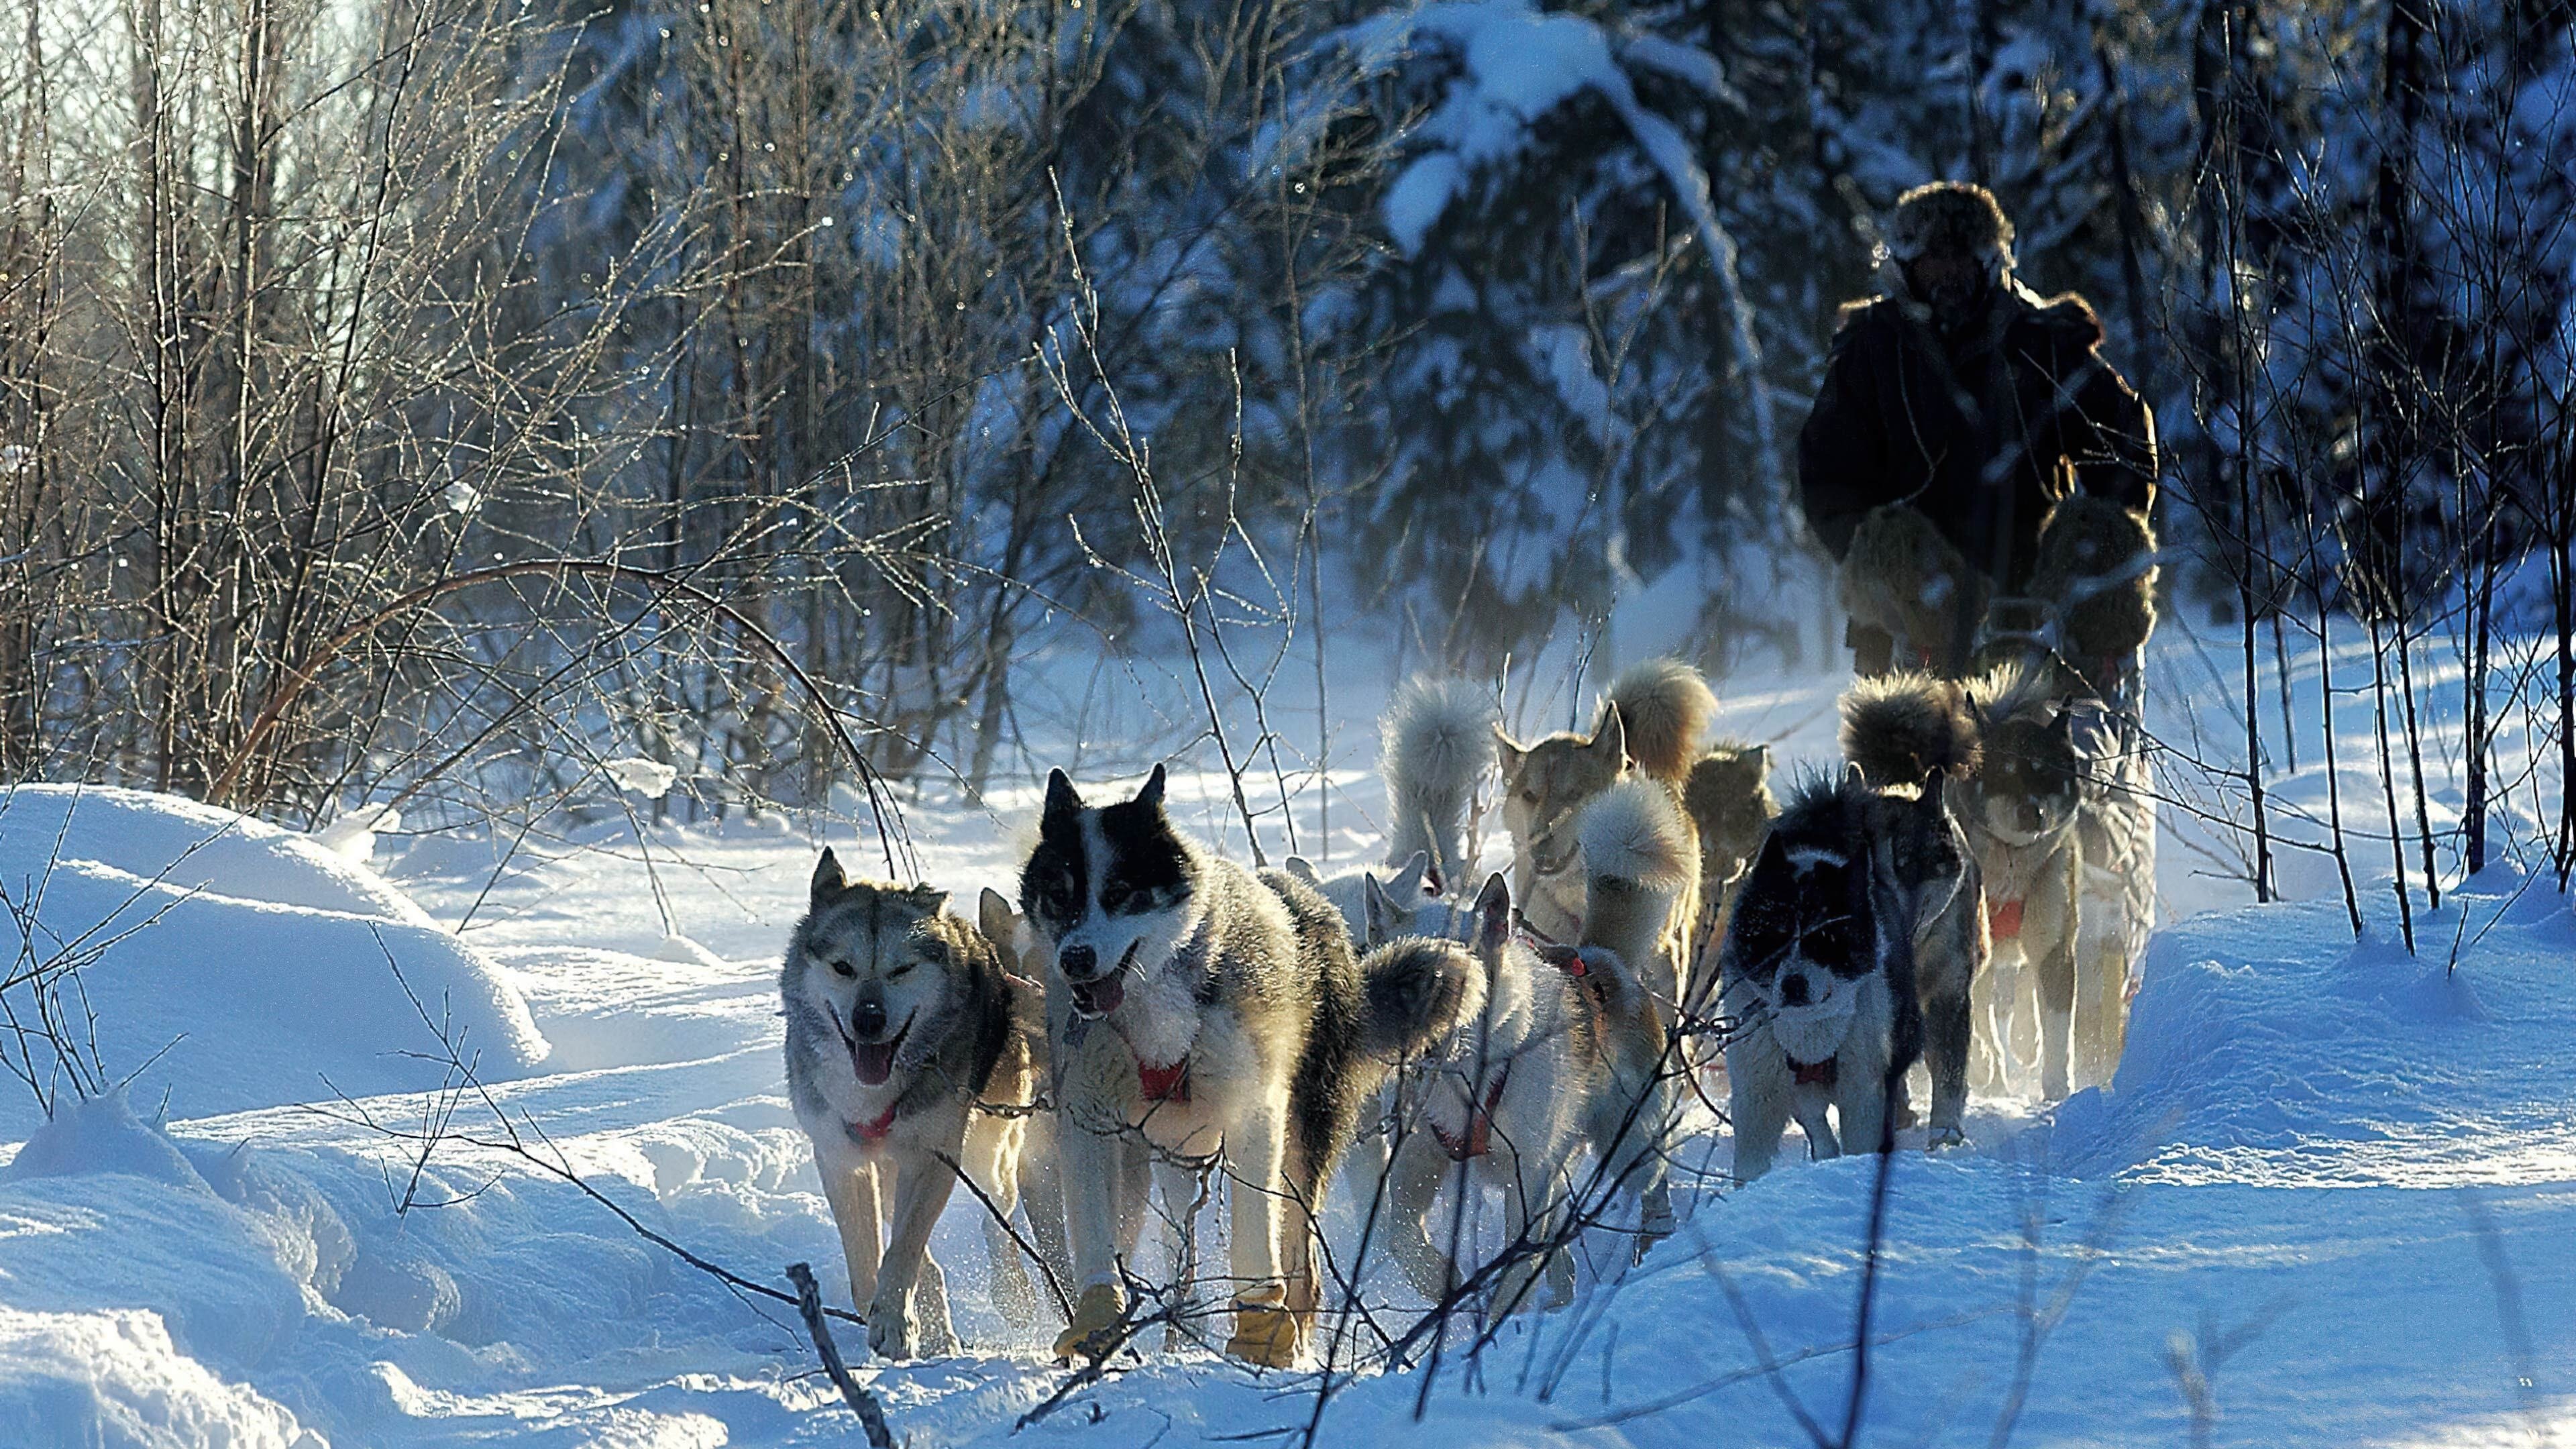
(1954, 287)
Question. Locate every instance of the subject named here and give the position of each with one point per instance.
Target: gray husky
(900, 1023)
(2022, 811)
(1199, 1010)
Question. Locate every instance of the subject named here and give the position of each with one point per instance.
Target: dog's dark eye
(1114, 896)
(901, 971)
(844, 968)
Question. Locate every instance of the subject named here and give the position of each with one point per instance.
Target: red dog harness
(869, 1134)
(2003, 920)
(1165, 1084)
(1480, 1123)
(1815, 1074)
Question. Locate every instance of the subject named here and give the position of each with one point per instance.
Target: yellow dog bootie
(1265, 1332)
(1094, 1329)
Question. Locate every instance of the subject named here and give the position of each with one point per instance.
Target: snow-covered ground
(2331, 1198)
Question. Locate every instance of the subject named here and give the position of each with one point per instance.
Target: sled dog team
(1149, 1012)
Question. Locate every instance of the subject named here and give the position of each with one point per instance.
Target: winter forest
(491, 489)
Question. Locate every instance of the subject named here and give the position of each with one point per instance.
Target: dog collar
(871, 1134)
(1815, 1074)
(1480, 1123)
(1165, 1084)
(2003, 919)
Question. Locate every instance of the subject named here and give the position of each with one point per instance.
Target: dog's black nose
(1079, 962)
(867, 1020)
(1793, 989)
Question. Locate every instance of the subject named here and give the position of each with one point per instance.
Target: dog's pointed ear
(1493, 915)
(1506, 750)
(1062, 800)
(1759, 756)
(993, 918)
(926, 898)
(1773, 852)
(1151, 797)
(1377, 912)
(1612, 738)
(1854, 777)
(1304, 870)
(828, 879)
(1408, 881)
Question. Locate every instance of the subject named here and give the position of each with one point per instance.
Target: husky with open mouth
(901, 1024)
(1200, 1011)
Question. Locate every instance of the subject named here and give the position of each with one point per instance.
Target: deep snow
(2363, 1163)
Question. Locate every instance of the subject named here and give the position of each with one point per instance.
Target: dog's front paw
(1946, 1139)
(1094, 1329)
(890, 1331)
(1265, 1332)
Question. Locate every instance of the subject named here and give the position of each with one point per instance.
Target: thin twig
(809, 1306)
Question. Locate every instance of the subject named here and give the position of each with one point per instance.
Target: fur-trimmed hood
(2067, 319)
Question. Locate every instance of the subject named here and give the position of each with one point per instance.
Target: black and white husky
(1198, 1010)
(1857, 936)
(1820, 981)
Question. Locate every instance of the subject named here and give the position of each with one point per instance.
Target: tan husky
(1651, 724)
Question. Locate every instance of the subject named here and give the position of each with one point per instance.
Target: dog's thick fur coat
(1820, 979)
(1412, 883)
(900, 1021)
(1640, 876)
(1549, 784)
(1728, 797)
(2022, 813)
(1664, 707)
(1917, 733)
(1198, 1009)
(1641, 861)
(1503, 1100)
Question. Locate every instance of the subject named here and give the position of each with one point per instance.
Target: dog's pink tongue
(874, 1061)
(1101, 997)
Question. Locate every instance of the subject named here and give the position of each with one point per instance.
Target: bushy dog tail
(1900, 728)
(1664, 706)
(1640, 857)
(2015, 689)
(1436, 742)
(1635, 836)
(1415, 992)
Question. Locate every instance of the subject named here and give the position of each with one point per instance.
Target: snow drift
(262, 967)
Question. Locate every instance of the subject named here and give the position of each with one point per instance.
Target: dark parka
(2023, 399)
